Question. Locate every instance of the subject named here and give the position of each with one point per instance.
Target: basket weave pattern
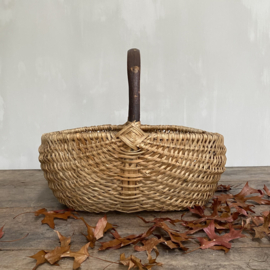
(132, 167)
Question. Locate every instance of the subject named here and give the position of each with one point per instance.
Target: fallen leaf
(226, 217)
(266, 190)
(149, 244)
(247, 190)
(55, 255)
(263, 230)
(51, 215)
(90, 233)
(218, 240)
(2, 232)
(133, 262)
(223, 188)
(39, 257)
(65, 241)
(100, 227)
(79, 256)
(158, 220)
(224, 197)
(121, 242)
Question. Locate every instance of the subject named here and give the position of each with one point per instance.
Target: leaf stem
(103, 260)
(16, 239)
(22, 213)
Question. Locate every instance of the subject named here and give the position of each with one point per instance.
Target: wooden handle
(134, 71)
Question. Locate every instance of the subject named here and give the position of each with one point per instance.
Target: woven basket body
(132, 167)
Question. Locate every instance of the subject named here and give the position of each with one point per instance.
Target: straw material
(132, 167)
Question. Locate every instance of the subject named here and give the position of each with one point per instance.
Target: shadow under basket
(132, 167)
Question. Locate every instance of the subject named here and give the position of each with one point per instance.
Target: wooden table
(27, 191)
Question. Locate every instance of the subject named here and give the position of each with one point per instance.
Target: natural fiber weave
(132, 167)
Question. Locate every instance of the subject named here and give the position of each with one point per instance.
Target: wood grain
(27, 191)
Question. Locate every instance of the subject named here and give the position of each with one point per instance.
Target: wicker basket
(132, 167)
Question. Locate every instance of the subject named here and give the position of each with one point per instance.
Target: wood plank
(43, 237)
(27, 191)
(236, 259)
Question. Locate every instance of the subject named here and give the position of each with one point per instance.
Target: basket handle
(133, 72)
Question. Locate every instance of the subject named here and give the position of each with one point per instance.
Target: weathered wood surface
(27, 191)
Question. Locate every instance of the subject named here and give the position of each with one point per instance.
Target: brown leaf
(259, 200)
(220, 248)
(247, 190)
(157, 220)
(79, 256)
(239, 209)
(217, 240)
(51, 215)
(226, 217)
(100, 227)
(241, 197)
(55, 255)
(2, 232)
(90, 233)
(115, 234)
(39, 257)
(133, 262)
(95, 233)
(65, 241)
(152, 262)
(175, 236)
(266, 190)
(223, 188)
(263, 230)
(149, 244)
(109, 226)
(224, 197)
(121, 242)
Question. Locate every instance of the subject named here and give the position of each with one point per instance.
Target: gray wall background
(205, 64)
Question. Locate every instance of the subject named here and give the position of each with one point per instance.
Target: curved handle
(134, 71)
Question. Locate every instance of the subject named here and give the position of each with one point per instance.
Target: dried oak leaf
(95, 233)
(243, 210)
(2, 232)
(149, 244)
(152, 262)
(79, 256)
(247, 190)
(133, 262)
(218, 240)
(224, 197)
(225, 217)
(241, 197)
(266, 190)
(157, 220)
(100, 227)
(90, 234)
(121, 242)
(223, 188)
(174, 235)
(55, 255)
(51, 215)
(263, 230)
(40, 258)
